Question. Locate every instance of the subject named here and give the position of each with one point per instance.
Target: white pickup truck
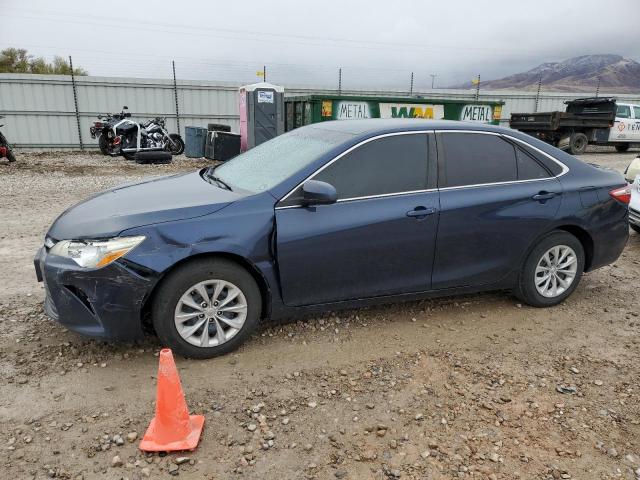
(626, 129)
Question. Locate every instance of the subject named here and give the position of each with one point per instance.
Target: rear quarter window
(528, 167)
(554, 167)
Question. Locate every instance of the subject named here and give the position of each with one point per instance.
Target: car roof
(379, 126)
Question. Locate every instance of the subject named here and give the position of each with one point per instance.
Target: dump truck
(597, 121)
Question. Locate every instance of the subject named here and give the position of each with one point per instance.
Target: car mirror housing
(315, 192)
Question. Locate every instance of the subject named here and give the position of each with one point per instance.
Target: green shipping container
(304, 110)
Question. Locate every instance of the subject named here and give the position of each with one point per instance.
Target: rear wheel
(622, 147)
(552, 271)
(102, 144)
(10, 156)
(206, 308)
(578, 143)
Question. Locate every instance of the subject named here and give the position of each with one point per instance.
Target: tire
(181, 283)
(622, 147)
(10, 156)
(578, 143)
(635, 228)
(179, 144)
(220, 127)
(102, 144)
(526, 289)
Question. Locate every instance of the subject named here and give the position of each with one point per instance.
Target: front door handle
(541, 196)
(421, 212)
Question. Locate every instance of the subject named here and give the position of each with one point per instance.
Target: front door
(378, 239)
(495, 199)
(624, 125)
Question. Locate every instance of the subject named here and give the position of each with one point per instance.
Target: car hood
(156, 200)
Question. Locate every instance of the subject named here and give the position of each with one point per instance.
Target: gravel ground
(464, 387)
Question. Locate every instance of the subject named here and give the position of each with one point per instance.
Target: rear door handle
(544, 196)
(421, 212)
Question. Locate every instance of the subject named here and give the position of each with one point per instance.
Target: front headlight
(95, 253)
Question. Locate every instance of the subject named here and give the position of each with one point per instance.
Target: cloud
(377, 43)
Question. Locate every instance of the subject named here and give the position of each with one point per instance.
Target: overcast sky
(378, 43)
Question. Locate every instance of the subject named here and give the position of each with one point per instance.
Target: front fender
(244, 229)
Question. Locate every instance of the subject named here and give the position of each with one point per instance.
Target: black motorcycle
(100, 128)
(5, 148)
(127, 137)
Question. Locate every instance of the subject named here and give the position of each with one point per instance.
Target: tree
(17, 60)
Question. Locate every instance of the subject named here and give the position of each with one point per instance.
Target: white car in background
(633, 169)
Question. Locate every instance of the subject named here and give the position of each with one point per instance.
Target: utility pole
(411, 87)
(478, 87)
(175, 94)
(433, 79)
(75, 102)
(340, 81)
(264, 73)
(538, 93)
(598, 87)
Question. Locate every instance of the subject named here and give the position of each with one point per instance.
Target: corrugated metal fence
(40, 111)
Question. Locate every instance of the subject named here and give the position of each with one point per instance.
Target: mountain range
(579, 74)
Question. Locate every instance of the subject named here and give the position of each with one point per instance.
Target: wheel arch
(577, 231)
(263, 285)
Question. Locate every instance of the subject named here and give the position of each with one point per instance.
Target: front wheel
(552, 271)
(206, 308)
(178, 144)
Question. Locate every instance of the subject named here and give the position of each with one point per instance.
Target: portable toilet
(261, 113)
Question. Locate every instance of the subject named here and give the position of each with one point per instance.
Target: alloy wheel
(210, 313)
(556, 271)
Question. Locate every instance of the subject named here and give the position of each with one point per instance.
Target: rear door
(378, 239)
(495, 198)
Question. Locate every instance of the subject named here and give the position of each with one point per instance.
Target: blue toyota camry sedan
(332, 215)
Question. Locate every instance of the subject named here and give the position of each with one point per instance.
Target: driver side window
(388, 165)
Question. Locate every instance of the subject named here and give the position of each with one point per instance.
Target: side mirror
(315, 192)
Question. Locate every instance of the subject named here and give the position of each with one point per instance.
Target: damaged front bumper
(105, 302)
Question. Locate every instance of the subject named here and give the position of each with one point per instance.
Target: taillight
(3, 152)
(622, 194)
(116, 141)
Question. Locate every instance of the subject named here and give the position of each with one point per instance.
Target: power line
(242, 34)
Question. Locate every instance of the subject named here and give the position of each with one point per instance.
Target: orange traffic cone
(172, 428)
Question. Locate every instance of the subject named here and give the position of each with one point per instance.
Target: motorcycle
(100, 128)
(127, 137)
(5, 148)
